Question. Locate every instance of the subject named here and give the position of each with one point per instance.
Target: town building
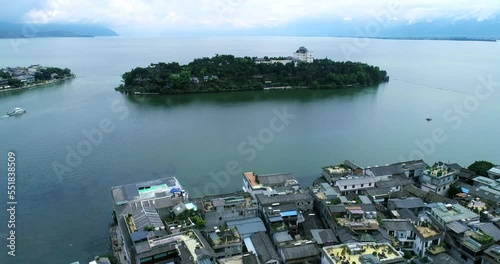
(284, 212)
(427, 237)
(355, 184)
(139, 209)
(218, 209)
(248, 226)
(402, 231)
(263, 247)
(333, 173)
(363, 253)
(441, 258)
(304, 55)
(355, 168)
(225, 241)
(414, 204)
(468, 245)
(257, 184)
(447, 213)
(492, 255)
(324, 237)
(300, 252)
(494, 172)
(438, 178)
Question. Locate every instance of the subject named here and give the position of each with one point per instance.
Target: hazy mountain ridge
(23, 30)
(439, 29)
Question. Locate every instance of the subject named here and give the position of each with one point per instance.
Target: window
(370, 184)
(345, 187)
(160, 255)
(362, 185)
(353, 186)
(146, 259)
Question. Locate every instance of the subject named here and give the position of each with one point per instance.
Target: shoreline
(31, 86)
(273, 88)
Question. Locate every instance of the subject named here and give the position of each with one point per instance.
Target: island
(14, 78)
(222, 73)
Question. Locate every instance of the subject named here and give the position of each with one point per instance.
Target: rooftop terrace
(339, 169)
(146, 190)
(234, 200)
(427, 231)
(356, 253)
(439, 170)
(224, 237)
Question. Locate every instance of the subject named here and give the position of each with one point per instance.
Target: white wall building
(355, 184)
(303, 54)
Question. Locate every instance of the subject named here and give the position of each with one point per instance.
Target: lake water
(63, 214)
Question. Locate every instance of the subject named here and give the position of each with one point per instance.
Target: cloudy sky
(162, 16)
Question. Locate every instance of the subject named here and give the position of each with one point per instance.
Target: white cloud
(161, 15)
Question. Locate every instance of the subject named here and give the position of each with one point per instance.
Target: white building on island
(303, 54)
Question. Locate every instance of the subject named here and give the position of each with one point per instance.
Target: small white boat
(16, 111)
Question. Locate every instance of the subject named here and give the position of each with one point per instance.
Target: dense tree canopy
(227, 73)
(454, 190)
(49, 72)
(481, 167)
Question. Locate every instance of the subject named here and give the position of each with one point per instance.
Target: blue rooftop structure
(289, 213)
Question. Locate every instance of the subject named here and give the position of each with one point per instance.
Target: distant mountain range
(22, 30)
(439, 29)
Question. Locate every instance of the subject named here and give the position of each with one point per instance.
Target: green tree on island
(230, 73)
(481, 167)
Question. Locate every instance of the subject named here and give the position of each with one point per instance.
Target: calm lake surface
(63, 217)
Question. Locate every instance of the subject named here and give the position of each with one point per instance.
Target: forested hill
(229, 73)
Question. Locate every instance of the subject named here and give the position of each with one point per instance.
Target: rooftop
(230, 200)
(264, 247)
(247, 227)
(351, 165)
(450, 213)
(490, 229)
(439, 170)
(252, 179)
(427, 231)
(270, 180)
(494, 170)
(493, 253)
(356, 252)
(146, 190)
(284, 198)
(484, 180)
(324, 236)
(224, 237)
(476, 241)
(397, 225)
(386, 170)
(457, 227)
(336, 170)
(303, 250)
(410, 202)
(438, 259)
